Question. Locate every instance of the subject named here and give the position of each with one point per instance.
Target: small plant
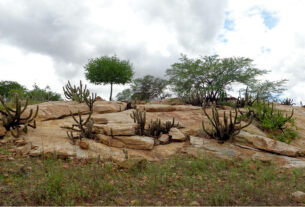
(288, 102)
(227, 129)
(74, 93)
(13, 120)
(83, 127)
(90, 101)
(139, 117)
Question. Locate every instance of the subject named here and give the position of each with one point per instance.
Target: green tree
(108, 70)
(125, 95)
(210, 76)
(8, 88)
(40, 95)
(148, 88)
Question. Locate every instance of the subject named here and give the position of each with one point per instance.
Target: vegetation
(247, 100)
(139, 117)
(108, 70)
(288, 102)
(145, 89)
(74, 93)
(90, 101)
(225, 130)
(157, 128)
(13, 119)
(9, 88)
(82, 127)
(177, 181)
(209, 76)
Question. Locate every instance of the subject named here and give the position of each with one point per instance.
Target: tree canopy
(8, 88)
(210, 76)
(108, 70)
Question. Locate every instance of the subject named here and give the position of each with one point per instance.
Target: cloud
(151, 34)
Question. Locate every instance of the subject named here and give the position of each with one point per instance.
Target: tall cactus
(12, 119)
(225, 130)
(74, 93)
(90, 101)
(139, 117)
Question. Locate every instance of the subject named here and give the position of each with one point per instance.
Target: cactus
(288, 102)
(157, 128)
(90, 101)
(139, 117)
(83, 127)
(76, 93)
(248, 100)
(12, 119)
(230, 127)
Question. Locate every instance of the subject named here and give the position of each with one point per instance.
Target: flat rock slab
(176, 135)
(131, 142)
(116, 129)
(60, 109)
(166, 108)
(269, 145)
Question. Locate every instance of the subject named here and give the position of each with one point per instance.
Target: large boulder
(61, 109)
(269, 145)
(176, 135)
(166, 108)
(116, 129)
(132, 142)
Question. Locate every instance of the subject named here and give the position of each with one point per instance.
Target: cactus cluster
(74, 93)
(226, 129)
(139, 117)
(288, 102)
(82, 127)
(157, 128)
(12, 118)
(247, 100)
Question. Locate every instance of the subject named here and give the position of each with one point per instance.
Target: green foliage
(145, 89)
(157, 128)
(125, 95)
(41, 95)
(210, 75)
(74, 93)
(227, 129)
(247, 100)
(108, 70)
(13, 120)
(267, 90)
(9, 88)
(286, 136)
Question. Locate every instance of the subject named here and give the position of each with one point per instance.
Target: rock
(270, 145)
(25, 149)
(132, 142)
(298, 196)
(20, 142)
(2, 131)
(139, 163)
(159, 203)
(116, 129)
(196, 141)
(100, 120)
(166, 108)
(84, 145)
(59, 109)
(98, 98)
(194, 203)
(176, 134)
(11, 159)
(164, 139)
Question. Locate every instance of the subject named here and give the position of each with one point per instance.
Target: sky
(48, 42)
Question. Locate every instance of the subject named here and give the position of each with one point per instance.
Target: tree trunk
(110, 99)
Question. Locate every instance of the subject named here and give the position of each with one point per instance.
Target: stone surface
(270, 145)
(116, 129)
(166, 108)
(196, 141)
(60, 109)
(84, 145)
(139, 163)
(164, 139)
(2, 130)
(298, 196)
(176, 134)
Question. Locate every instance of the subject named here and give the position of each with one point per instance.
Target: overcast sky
(49, 41)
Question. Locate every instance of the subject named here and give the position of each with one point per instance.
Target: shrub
(226, 130)
(287, 101)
